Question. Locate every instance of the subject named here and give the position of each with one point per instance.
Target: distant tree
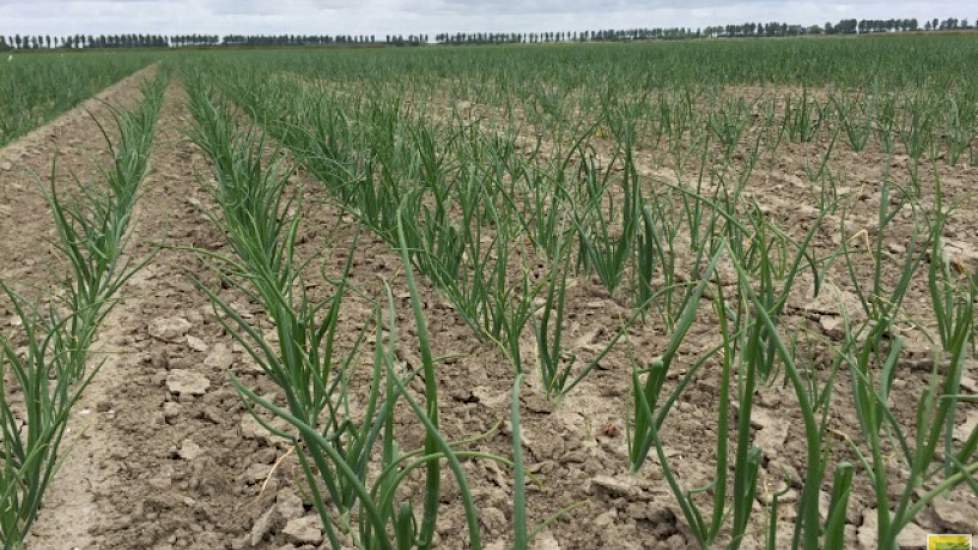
(748, 29)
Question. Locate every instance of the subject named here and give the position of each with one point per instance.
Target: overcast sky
(431, 16)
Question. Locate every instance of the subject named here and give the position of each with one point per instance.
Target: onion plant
(855, 120)
(647, 395)
(962, 112)
(604, 249)
(886, 119)
(803, 116)
(728, 122)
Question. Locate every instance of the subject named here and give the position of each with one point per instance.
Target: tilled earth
(164, 455)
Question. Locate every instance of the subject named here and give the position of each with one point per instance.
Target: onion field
(37, 87)
(692, 294)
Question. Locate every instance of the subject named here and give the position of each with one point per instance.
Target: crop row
(36, 88)
(500, 233)
(45, 365)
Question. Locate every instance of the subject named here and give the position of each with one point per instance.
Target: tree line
(845, 26)
(744, 30)
(81, 41)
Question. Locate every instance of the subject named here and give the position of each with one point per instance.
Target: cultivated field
(652, 295)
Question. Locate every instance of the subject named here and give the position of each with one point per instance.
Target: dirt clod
(912, 536)
(263, 526)
(304, 530)
(545, 541)
(196, 344)
(613, 487)
(169, 329)
(289, 504)
(956, 516)
(185, 382)
(964, 431)
(189, 450)
(171, 410)
(220, 357)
